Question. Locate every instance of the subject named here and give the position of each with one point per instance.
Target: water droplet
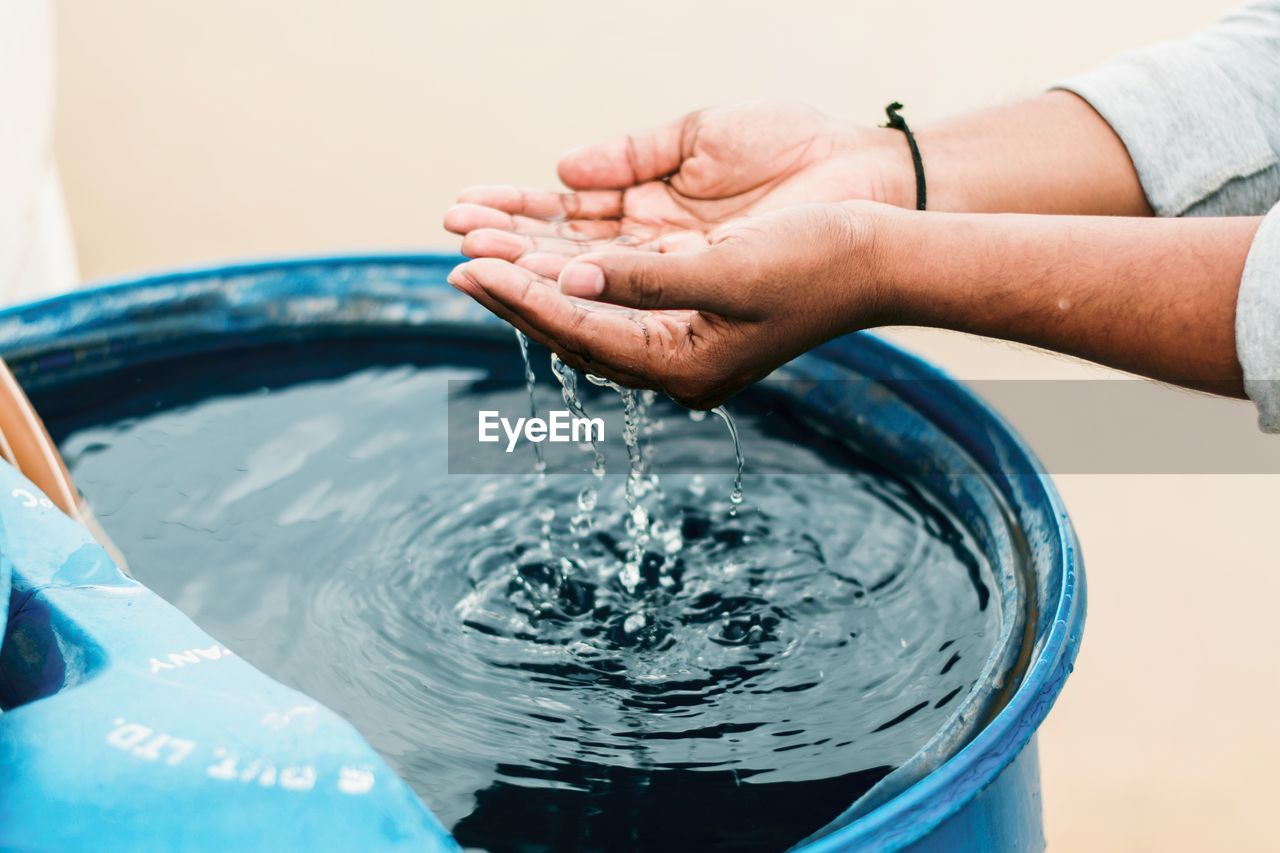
(541, 464)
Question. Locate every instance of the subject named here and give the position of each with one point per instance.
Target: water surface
(769, 665)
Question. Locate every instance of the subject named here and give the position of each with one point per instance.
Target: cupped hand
(698, 324)
(670, 188)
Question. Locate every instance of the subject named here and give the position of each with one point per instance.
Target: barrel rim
(919, 809)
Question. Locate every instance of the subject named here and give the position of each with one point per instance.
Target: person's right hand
(699, 325)
(671, 187)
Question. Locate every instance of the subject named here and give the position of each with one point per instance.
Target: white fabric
(36, 257)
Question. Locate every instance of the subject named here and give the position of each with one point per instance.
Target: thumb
(705, 280)
(627, 160)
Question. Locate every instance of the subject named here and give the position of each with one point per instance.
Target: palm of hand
(636, 348)
(668, 190)
(741, 161)
(700, 324)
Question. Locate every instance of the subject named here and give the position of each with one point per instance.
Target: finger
(546, 204)
(550, 262)
(461, 281)
(712, 279)
(464, 279)
(600, 335)
(628, 160)
(467, 217)
(510, 246)
(545, 264)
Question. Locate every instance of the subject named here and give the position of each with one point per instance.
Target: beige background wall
(190, 132)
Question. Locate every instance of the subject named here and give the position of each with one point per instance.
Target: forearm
(1154, 297)
(1049, 154)
(1186, 127)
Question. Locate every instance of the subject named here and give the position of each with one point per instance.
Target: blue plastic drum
(123, 724)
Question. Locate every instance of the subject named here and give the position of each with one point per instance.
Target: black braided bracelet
(897, 122)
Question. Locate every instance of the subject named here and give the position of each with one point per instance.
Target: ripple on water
(768, 666)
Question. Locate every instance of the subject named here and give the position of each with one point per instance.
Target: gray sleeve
(1258, 322)
(1200, 117)
(1201, 121)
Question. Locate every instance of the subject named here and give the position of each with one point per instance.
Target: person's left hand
(698, 324)
(675, 185)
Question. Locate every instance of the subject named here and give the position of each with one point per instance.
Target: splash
(637, 430)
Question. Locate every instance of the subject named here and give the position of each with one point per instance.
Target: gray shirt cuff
(1190, 130)
(1258, 322)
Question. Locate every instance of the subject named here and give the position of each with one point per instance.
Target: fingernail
(585, 280)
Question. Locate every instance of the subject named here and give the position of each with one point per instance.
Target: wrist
(959, 271)
(876, 283)
(881, 156)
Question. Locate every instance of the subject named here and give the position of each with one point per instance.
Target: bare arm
(1049, 154)
(713, 204)
(1156, 297)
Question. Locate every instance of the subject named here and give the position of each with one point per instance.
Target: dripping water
(637, 432)
(735, 497)
(546, 513)
(581, 523)
(541, 465)
(637, 523)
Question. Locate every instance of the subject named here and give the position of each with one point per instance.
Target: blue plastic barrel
(123, 724)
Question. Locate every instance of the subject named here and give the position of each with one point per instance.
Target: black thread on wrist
(897, 122)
